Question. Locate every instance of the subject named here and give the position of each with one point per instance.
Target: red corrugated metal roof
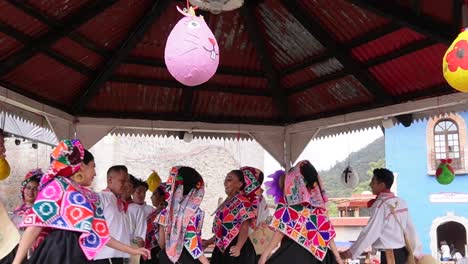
(10, 15)
(238, 51)
(416, 71)
(124, 98)
(434, 9)
(345, 20)
(288, 41)
(386, 44)
(217, 104)
(310, 73)
(58, 9)
(247, 83)
(8, 45)
(154, 41)
(142, 71)
(48, 79)
(71, 49)
(344, 92)
(111, 27)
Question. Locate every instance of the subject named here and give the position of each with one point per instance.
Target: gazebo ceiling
(281, 62)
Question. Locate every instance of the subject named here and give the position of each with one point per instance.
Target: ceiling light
(387, 122)
(188, 137)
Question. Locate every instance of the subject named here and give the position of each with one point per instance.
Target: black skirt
(59, 247)
(154, 256)
(247, 254)
(185, 258)
(292, 252)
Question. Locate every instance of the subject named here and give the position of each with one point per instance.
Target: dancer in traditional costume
(71, 211)
(182, 220)
(300, 220)
(389, 220)
(253, 179)
(158, 199)
(231, 224)
(29, 190)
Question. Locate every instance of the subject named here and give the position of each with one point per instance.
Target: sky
(324, 153)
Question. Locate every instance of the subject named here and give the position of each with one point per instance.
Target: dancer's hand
(142, 251)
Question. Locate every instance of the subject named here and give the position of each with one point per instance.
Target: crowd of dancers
(62, 220)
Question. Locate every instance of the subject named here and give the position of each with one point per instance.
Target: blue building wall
(406, 154)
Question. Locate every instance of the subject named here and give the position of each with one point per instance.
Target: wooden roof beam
(55, 25)
(313, 25)
(86, 13)
(358, 41)
(127, 46)
(201, 87)
(26, 40)
(421, 24)
(413, 47)
(256, 36)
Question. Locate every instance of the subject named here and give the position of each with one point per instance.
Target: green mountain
(360, 162)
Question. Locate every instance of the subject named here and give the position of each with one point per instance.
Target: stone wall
(212, 158)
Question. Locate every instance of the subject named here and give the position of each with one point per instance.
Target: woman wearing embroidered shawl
(69, 210)
(182, 220)
(301, 220)
(231, 224)
(29, 189)
(253, 179)
(158, 199)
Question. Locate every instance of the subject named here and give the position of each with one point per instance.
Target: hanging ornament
(455, 63)
(445, 173)
(153, 181)
(192, 52)
(4, 166)
(349, 178)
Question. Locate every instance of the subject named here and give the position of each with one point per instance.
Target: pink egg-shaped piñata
(192, 52)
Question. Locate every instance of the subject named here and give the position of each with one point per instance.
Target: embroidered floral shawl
(301, 215)
(228, 219)
(252, 190)
(63, 204)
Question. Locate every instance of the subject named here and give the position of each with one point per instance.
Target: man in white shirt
(139, 196)
(136, 217)
(115, 214)
(383, 232)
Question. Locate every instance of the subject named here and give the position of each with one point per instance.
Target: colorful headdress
(251, 181)
(180, 211)
(65, 161)
(32, 175)
(296, 191)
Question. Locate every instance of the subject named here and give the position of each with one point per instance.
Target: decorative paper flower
(273, 187)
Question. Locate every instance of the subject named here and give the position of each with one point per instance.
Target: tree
(364, 186)
(332, 209)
